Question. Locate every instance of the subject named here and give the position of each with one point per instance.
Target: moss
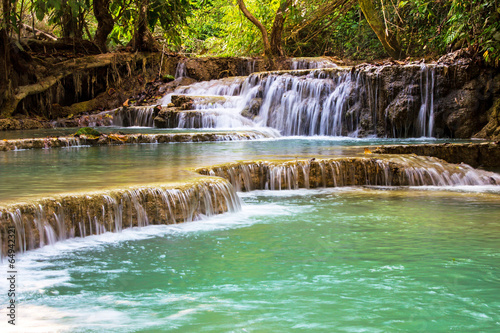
(87, 131)
(167, 78)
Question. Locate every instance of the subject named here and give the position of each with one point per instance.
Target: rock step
(118, 139)
(49, 220)
(207, 118)
(484, 154)
(348, 171)
(189, 102)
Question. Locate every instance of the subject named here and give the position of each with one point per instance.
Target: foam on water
(41, 273)
(493, 189)
(285, 260)
(33, 263)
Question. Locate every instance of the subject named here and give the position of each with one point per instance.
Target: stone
(485, 154)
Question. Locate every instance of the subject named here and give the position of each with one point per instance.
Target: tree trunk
(388, 40)
(143, 39)
(267, 46)
(277, 29)
(105, 23)
(67, 21)
(5, 64)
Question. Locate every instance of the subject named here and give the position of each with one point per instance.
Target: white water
(104, 282)
(325, 102)
(426, 113)
(312, 63)
(181, 71)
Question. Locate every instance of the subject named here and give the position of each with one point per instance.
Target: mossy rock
(167, 78)
(87, 131)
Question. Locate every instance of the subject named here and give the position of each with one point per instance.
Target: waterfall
(49, 220)
(218, 118)
(312, 63)
(349, 171)
(426, 113)
(134, 116)
(180, 71)
(337, 101)
(223, 87)
(251, 66)
(334, 101)
(310, 104)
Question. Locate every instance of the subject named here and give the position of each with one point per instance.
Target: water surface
(40, 172)
(343, 260)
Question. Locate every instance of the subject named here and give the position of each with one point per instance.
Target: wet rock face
(388, 100)
(9, 124)
(252, 109)
(167, 118)
(395, 96)
(491, 91)
(400, 101)
(216, 68)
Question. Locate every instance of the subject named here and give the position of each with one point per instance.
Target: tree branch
(388, 40)
(320, 13)
(277, 29)
(38, 32)
(258, 24)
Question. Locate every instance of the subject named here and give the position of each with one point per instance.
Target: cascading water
(311, 104)
(216, 118)
(378, 239)
(426, 114)
(336, 101)
(55, 219)
(394, 171)
(180, 71)
(329, 101)
(134, 116)
(312, 63)
(224, 87)
(214, 111)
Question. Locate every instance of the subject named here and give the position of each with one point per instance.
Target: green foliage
(338, 34)
(217, 27)
(167, 18)
(475, 24)
(167, 78)
(123, 12)
(61, 11)
(419, 25)
(170, 16)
